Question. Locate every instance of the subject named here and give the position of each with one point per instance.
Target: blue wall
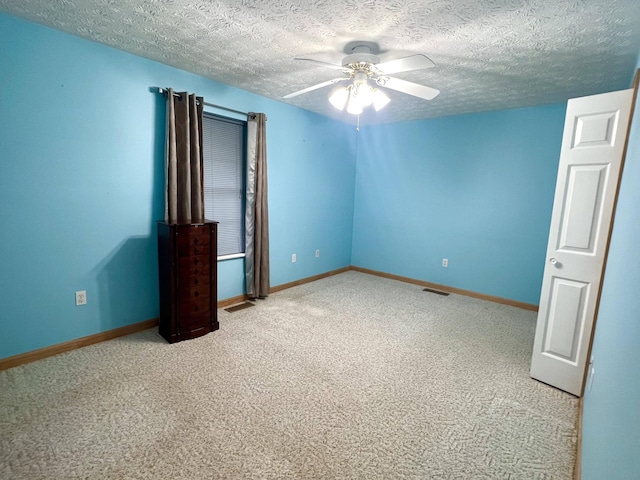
(611, 418)
(81, 185)
(476, 189)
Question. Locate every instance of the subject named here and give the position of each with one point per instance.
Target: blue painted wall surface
(611, 418)
(81, 185)
(311, 197)
(476, 189)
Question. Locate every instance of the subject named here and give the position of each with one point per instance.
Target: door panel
(565, 318)
(582, 204)
(595, 130)
(590, 163)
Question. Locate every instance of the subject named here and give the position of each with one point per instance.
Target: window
(224, 180)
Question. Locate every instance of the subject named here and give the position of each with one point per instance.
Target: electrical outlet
(317, 253)
(445, 262)
(81, 297)
(293, 258)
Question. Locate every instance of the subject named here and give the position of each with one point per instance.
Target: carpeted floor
(349, 377)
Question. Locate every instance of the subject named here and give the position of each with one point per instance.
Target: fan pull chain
(358, 123)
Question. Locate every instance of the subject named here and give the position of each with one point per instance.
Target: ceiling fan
(365, 73)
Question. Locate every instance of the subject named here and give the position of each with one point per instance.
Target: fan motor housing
(360, 58)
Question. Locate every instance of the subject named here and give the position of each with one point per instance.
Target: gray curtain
(257, 213)
(184, 195)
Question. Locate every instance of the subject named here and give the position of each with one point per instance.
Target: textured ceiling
(489, 54)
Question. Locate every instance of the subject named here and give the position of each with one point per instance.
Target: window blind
(224, 180)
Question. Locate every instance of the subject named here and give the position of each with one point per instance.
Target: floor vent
(444, 294)
(241, 306)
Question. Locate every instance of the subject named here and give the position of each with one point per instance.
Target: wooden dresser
(187, 268)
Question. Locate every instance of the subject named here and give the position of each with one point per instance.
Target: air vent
(437, 292)
(240, 306)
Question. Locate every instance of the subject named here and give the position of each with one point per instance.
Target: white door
(591, 157)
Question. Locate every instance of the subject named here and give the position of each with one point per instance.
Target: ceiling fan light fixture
(380, 100)
(364, 93)
(357, 96)
(339, 97)
(365, 73)
(354, 107)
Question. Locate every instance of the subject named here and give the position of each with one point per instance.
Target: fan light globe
(380, 100)
(339, 97)
(357, 96)
(354, 107)
(364, 93)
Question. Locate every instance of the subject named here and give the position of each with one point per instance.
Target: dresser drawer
(189, 245)
(202, 263)
(188, 293)
(194, 277)
(195, 306)
(192, 230)
(192, 323)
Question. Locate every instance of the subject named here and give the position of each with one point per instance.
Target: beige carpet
(349, 377)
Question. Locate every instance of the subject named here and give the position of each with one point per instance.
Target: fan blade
(410, 88)
(323, 64)
(413, 62)
(315, 87)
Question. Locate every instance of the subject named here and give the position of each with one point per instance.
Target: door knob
(553, 261)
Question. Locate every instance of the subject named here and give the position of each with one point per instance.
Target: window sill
(230, 257)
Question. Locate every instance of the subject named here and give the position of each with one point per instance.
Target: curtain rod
(165, 91)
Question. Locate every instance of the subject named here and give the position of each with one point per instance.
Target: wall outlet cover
(81, 297)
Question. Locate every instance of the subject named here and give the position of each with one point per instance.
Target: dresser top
(192, 222)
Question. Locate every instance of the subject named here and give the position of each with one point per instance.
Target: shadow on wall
(127, 278)
(127, 282)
